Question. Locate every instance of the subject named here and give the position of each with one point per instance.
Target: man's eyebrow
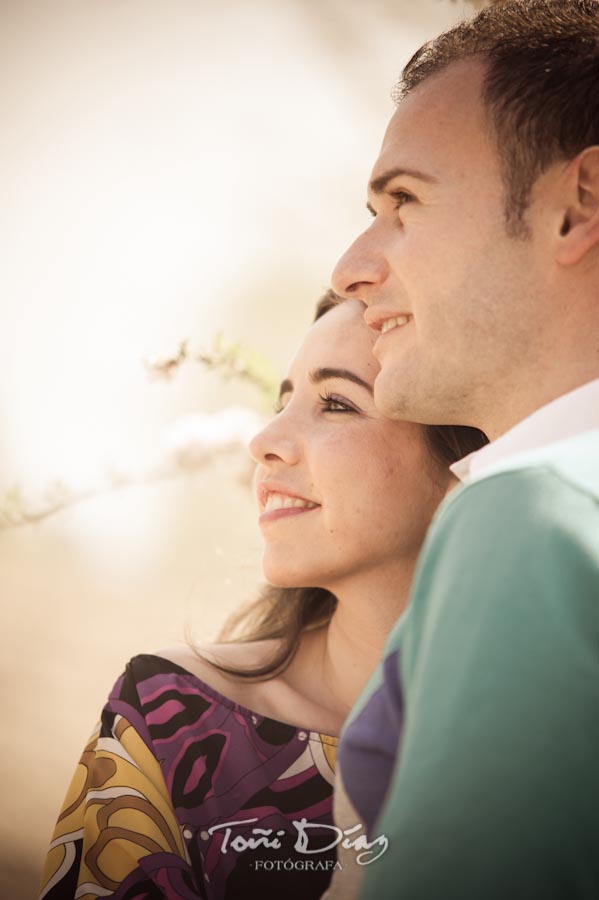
(378, 185)
(322, 374)
(286, 388)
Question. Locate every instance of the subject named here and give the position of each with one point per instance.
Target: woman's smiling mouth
(277, 503)
(283, 501)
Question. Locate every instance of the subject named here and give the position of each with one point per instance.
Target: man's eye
(331, 403)
(401, 198)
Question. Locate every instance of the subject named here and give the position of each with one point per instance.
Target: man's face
(455, 298)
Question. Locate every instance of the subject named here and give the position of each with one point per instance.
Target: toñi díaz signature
(266, 837)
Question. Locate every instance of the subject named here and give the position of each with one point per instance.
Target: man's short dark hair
(540, 87)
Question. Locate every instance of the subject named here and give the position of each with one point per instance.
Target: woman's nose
(276, 442)
(362, 269)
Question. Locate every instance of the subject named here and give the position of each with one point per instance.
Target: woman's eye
(331, 403)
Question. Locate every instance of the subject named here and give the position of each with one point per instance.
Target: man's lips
(384, 320)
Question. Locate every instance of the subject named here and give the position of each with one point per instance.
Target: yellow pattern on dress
(119, 804)
(329, 749)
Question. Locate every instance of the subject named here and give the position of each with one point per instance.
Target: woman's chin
(283, 576)
(278, 579)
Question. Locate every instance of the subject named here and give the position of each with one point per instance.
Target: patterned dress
(182, 793)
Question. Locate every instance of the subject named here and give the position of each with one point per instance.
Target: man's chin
(390, 396)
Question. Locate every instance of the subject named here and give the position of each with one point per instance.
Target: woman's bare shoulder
(202, 658)
(280, 697)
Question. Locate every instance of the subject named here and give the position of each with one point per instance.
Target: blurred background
(171, 170)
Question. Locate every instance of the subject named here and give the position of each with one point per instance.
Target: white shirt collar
(568, 415)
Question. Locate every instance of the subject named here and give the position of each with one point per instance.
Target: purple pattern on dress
(221, 763)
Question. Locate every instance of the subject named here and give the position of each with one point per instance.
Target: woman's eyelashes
(335, 404)
(332, 403)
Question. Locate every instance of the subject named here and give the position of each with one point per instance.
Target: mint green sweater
(492, 791)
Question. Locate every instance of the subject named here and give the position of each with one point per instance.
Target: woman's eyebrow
(322, 374)
(318, 375)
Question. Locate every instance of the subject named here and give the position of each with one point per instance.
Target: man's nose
(361, 271)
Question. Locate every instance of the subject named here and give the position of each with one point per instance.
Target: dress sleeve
(117, 834)
(496, 789)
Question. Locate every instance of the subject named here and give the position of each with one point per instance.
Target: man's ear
(579, 230)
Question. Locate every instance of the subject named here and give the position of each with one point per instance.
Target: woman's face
(342, 491)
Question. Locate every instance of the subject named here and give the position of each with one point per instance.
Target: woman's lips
(285, 512)
(277, 502)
